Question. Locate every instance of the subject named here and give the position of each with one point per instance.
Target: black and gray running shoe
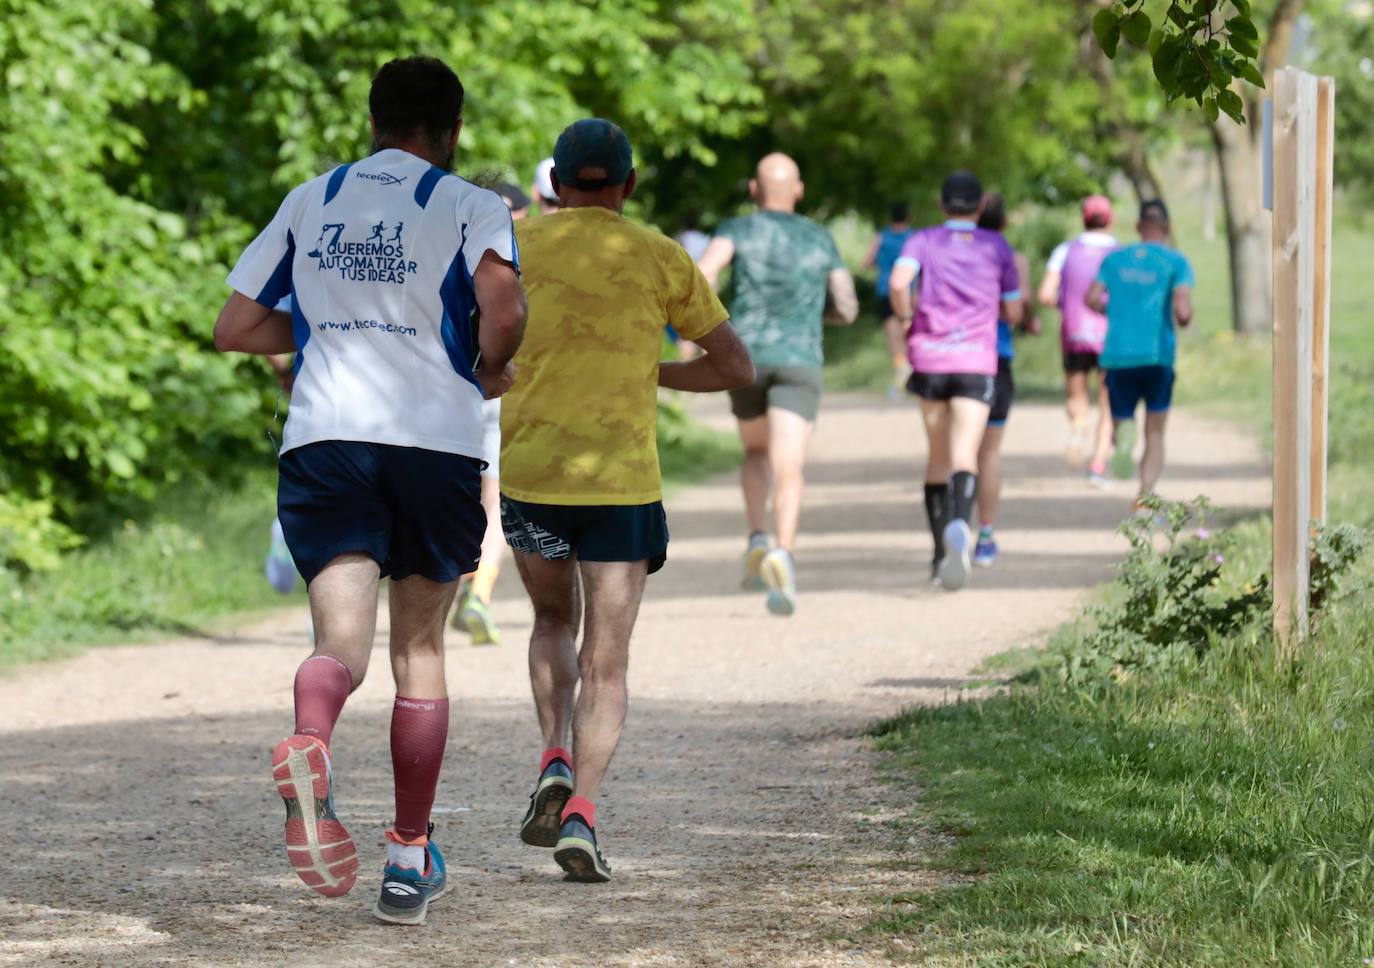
(578, 854)
(545, 815)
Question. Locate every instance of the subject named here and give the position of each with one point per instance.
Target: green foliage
(1199, 48)
(107, 391)
(1214, 813)
(1171, 606)
(689, 452)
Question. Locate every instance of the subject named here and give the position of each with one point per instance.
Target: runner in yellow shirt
(580, 490)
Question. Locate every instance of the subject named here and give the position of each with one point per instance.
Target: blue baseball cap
(592, 143)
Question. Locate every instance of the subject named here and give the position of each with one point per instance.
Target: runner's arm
(1096, 298)
(501, 300)
(719, 254)
(844, 302)
(723, 365)
(899, 290)
(1183, 304)
(246, 326)
(1049, 289)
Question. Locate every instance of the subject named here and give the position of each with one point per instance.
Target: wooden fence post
(1295, 206)
(1321, 296)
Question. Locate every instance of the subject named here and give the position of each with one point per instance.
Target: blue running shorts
(414, 511)
(1127, 387)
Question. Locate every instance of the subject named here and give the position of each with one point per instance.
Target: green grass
(178, 573)
(1221, 814)
(197, 566)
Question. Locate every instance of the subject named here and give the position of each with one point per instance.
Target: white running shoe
(780, 577)
(957, 564)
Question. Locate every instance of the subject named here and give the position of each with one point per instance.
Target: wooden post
(1321, 296)
(1295, 206)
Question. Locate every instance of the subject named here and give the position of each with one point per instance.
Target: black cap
(962, 193)
(592, 143)
(1154, 211)
(514, 198)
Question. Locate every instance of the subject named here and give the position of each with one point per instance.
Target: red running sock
(322, 686)
(583, 806)
(554, 753)
(419, 732)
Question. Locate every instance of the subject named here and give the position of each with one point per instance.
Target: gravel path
(743, 815)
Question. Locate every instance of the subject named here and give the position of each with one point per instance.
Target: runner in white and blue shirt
(389, 262)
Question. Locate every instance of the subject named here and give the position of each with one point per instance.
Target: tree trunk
(1247, 226)
(1134, 162)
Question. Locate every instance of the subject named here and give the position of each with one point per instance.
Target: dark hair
(899, 212)
(1154, 210)
(416, 96)
(994, 214)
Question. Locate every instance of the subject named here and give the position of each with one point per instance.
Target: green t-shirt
(778, 285)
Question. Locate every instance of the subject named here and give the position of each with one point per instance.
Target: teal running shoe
(407, 893)
(753, 562)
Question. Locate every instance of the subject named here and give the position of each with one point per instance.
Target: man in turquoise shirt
(1145, 290)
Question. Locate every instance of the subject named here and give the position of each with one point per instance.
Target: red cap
(1097, 209)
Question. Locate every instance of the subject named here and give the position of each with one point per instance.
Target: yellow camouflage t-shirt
(578, 427)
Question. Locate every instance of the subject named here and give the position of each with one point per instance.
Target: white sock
(403, 855)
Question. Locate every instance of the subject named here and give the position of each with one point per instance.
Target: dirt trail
(743, 814)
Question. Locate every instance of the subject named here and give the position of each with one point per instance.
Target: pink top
(965, 273)
(1077, 262)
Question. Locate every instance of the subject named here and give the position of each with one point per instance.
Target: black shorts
(1003, 393)
(1080, 361)
(606, 532)
(794, 388)
(947, 386)
(885, 309)
(414, 511)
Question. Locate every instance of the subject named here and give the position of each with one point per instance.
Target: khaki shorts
(794, 388)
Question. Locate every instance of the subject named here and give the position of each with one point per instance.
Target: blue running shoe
(780, 578)
(985, 551)
(754, 554)
(578, 854)
(544, 819)
(407, 893)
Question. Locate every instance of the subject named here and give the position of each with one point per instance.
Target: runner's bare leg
(789, 437)
(754, 472)
(614, 591)
(554, 593)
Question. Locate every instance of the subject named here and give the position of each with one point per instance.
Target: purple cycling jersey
(965, 273)
(1081, 330)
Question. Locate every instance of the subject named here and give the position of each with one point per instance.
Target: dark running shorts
(794, 388)
(414, 511)
(947, 386)
(1003, 393)
(884, 309)
(1127, 387)
(556, 532)
(1076, 361)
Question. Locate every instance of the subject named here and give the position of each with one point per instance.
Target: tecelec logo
(381, 177)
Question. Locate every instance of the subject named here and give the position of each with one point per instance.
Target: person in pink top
(967, 280)
(1072, 268)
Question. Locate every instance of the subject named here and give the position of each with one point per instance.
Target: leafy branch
(1199, 48)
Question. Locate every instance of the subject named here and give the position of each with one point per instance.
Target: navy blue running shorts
(1127, 387)
(606, 532)
(414, 511)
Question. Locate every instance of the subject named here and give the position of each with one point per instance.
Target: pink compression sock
(419, 732)
(554, 753)
(322, 686)
(583, 806)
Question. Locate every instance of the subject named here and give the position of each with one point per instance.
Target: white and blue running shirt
(378, 256)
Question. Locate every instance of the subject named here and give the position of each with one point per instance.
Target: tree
(1239, 149)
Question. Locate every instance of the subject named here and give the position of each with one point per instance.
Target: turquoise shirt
(1140, 281)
